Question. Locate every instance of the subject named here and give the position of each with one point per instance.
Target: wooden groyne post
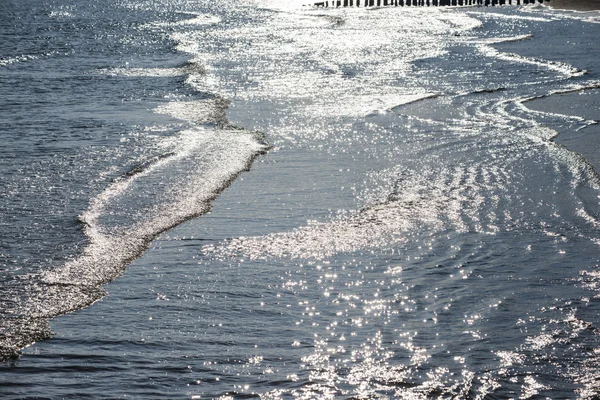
(421, 3)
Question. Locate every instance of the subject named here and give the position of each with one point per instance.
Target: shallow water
(410, 225)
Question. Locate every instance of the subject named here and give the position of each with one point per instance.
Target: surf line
(421, 3)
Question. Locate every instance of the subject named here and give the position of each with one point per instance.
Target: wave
(513, 115)
(196, 165)
(509, 39)
(522, 109)
(121, 222)
(198, 19)
(142, 72)
(491, 90)
(432, 200)
(191, 67)
(5, 61)
(486, 48)
(204, 163)
(60, 14)
(25, 316)
(570, 89)
(373, 104)
(333, 20)
(162, 193)
(591, 15)
(562, 68)
(472, 197)
(512, 17)
(415, 99)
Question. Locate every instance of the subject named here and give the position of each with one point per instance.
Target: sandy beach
(579, 5)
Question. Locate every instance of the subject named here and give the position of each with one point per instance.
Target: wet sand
(578, 5)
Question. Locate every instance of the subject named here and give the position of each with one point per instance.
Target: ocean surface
(260, 199)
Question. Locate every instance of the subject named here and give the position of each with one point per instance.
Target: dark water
(420, 218)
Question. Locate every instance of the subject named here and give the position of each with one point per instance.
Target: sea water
(293, 202)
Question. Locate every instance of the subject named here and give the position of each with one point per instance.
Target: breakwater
(421, 3)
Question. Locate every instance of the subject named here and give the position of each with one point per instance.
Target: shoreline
(575, 5)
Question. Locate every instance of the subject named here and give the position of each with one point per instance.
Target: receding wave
(514, 17)
(368, 104)
(492, 90)
(192, 67)
(433, 200)
(509, 39)
(119, 223)
(147, 72)
(4, 61)
(559, 67)
(571, 89)
(186, 181)
(198, 19)
(417, 98)
(332, 19)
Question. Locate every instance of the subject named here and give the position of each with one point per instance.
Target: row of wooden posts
(422, 3)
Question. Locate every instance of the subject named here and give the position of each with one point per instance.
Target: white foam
(513, 17)
(12, 60)
(429, 200)
(509, 39)
(561, 68)
(204, 161)
(197, 19)
(60, 14)
(148, 72)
